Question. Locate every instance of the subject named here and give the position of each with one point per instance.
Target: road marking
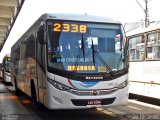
(112, 112)
(116, 111)
(134, 108)
(106, 112)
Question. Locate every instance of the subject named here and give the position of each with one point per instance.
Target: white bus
(6, 62)
(1, 68)
(72, 62)
(144, 55)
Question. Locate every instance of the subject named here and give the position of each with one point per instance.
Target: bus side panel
(23, 61)
(12, 74)
(144, 78)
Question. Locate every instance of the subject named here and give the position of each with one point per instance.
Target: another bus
(144, 56)
(6, 62)
(67, 61)
(1, 68)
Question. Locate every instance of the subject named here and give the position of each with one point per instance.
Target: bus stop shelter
(9, 10)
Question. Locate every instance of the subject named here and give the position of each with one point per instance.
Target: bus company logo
(91, 78)
(95, 93)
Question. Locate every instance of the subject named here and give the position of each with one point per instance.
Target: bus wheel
(17, 91)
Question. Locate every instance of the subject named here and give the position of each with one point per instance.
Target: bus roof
(7, 55)
(144, 30)
(79, 17)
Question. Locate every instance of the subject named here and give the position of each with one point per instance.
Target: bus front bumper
(57, 99)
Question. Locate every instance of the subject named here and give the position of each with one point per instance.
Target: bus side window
(153, 47)
(136, 48)
(30, 47)
(158, 44)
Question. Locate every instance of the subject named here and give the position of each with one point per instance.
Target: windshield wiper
(106, 65)
(82, 47)
(95, 53)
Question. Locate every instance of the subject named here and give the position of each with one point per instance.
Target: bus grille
(91, 92)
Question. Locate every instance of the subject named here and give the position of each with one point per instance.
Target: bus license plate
(94, 102)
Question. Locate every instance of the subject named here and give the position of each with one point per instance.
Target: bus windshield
(7, 64)
(72, 46)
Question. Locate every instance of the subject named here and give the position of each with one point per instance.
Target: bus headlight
(123, 84)
(58, 85)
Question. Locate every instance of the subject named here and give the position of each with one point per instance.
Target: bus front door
(41, 71)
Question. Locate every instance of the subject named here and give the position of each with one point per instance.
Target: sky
(125, 11)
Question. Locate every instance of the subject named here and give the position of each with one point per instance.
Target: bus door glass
(40, 48)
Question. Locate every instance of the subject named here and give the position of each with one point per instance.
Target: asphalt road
(21, 108)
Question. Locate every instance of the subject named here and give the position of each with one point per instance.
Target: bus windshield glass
(7, 64)
(74, 46)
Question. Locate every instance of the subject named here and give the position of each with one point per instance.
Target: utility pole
(145, 11)
(146, 14)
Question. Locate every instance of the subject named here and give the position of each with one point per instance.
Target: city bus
(6, 62)
(144, 65)
(69, 61)
(1, 67)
